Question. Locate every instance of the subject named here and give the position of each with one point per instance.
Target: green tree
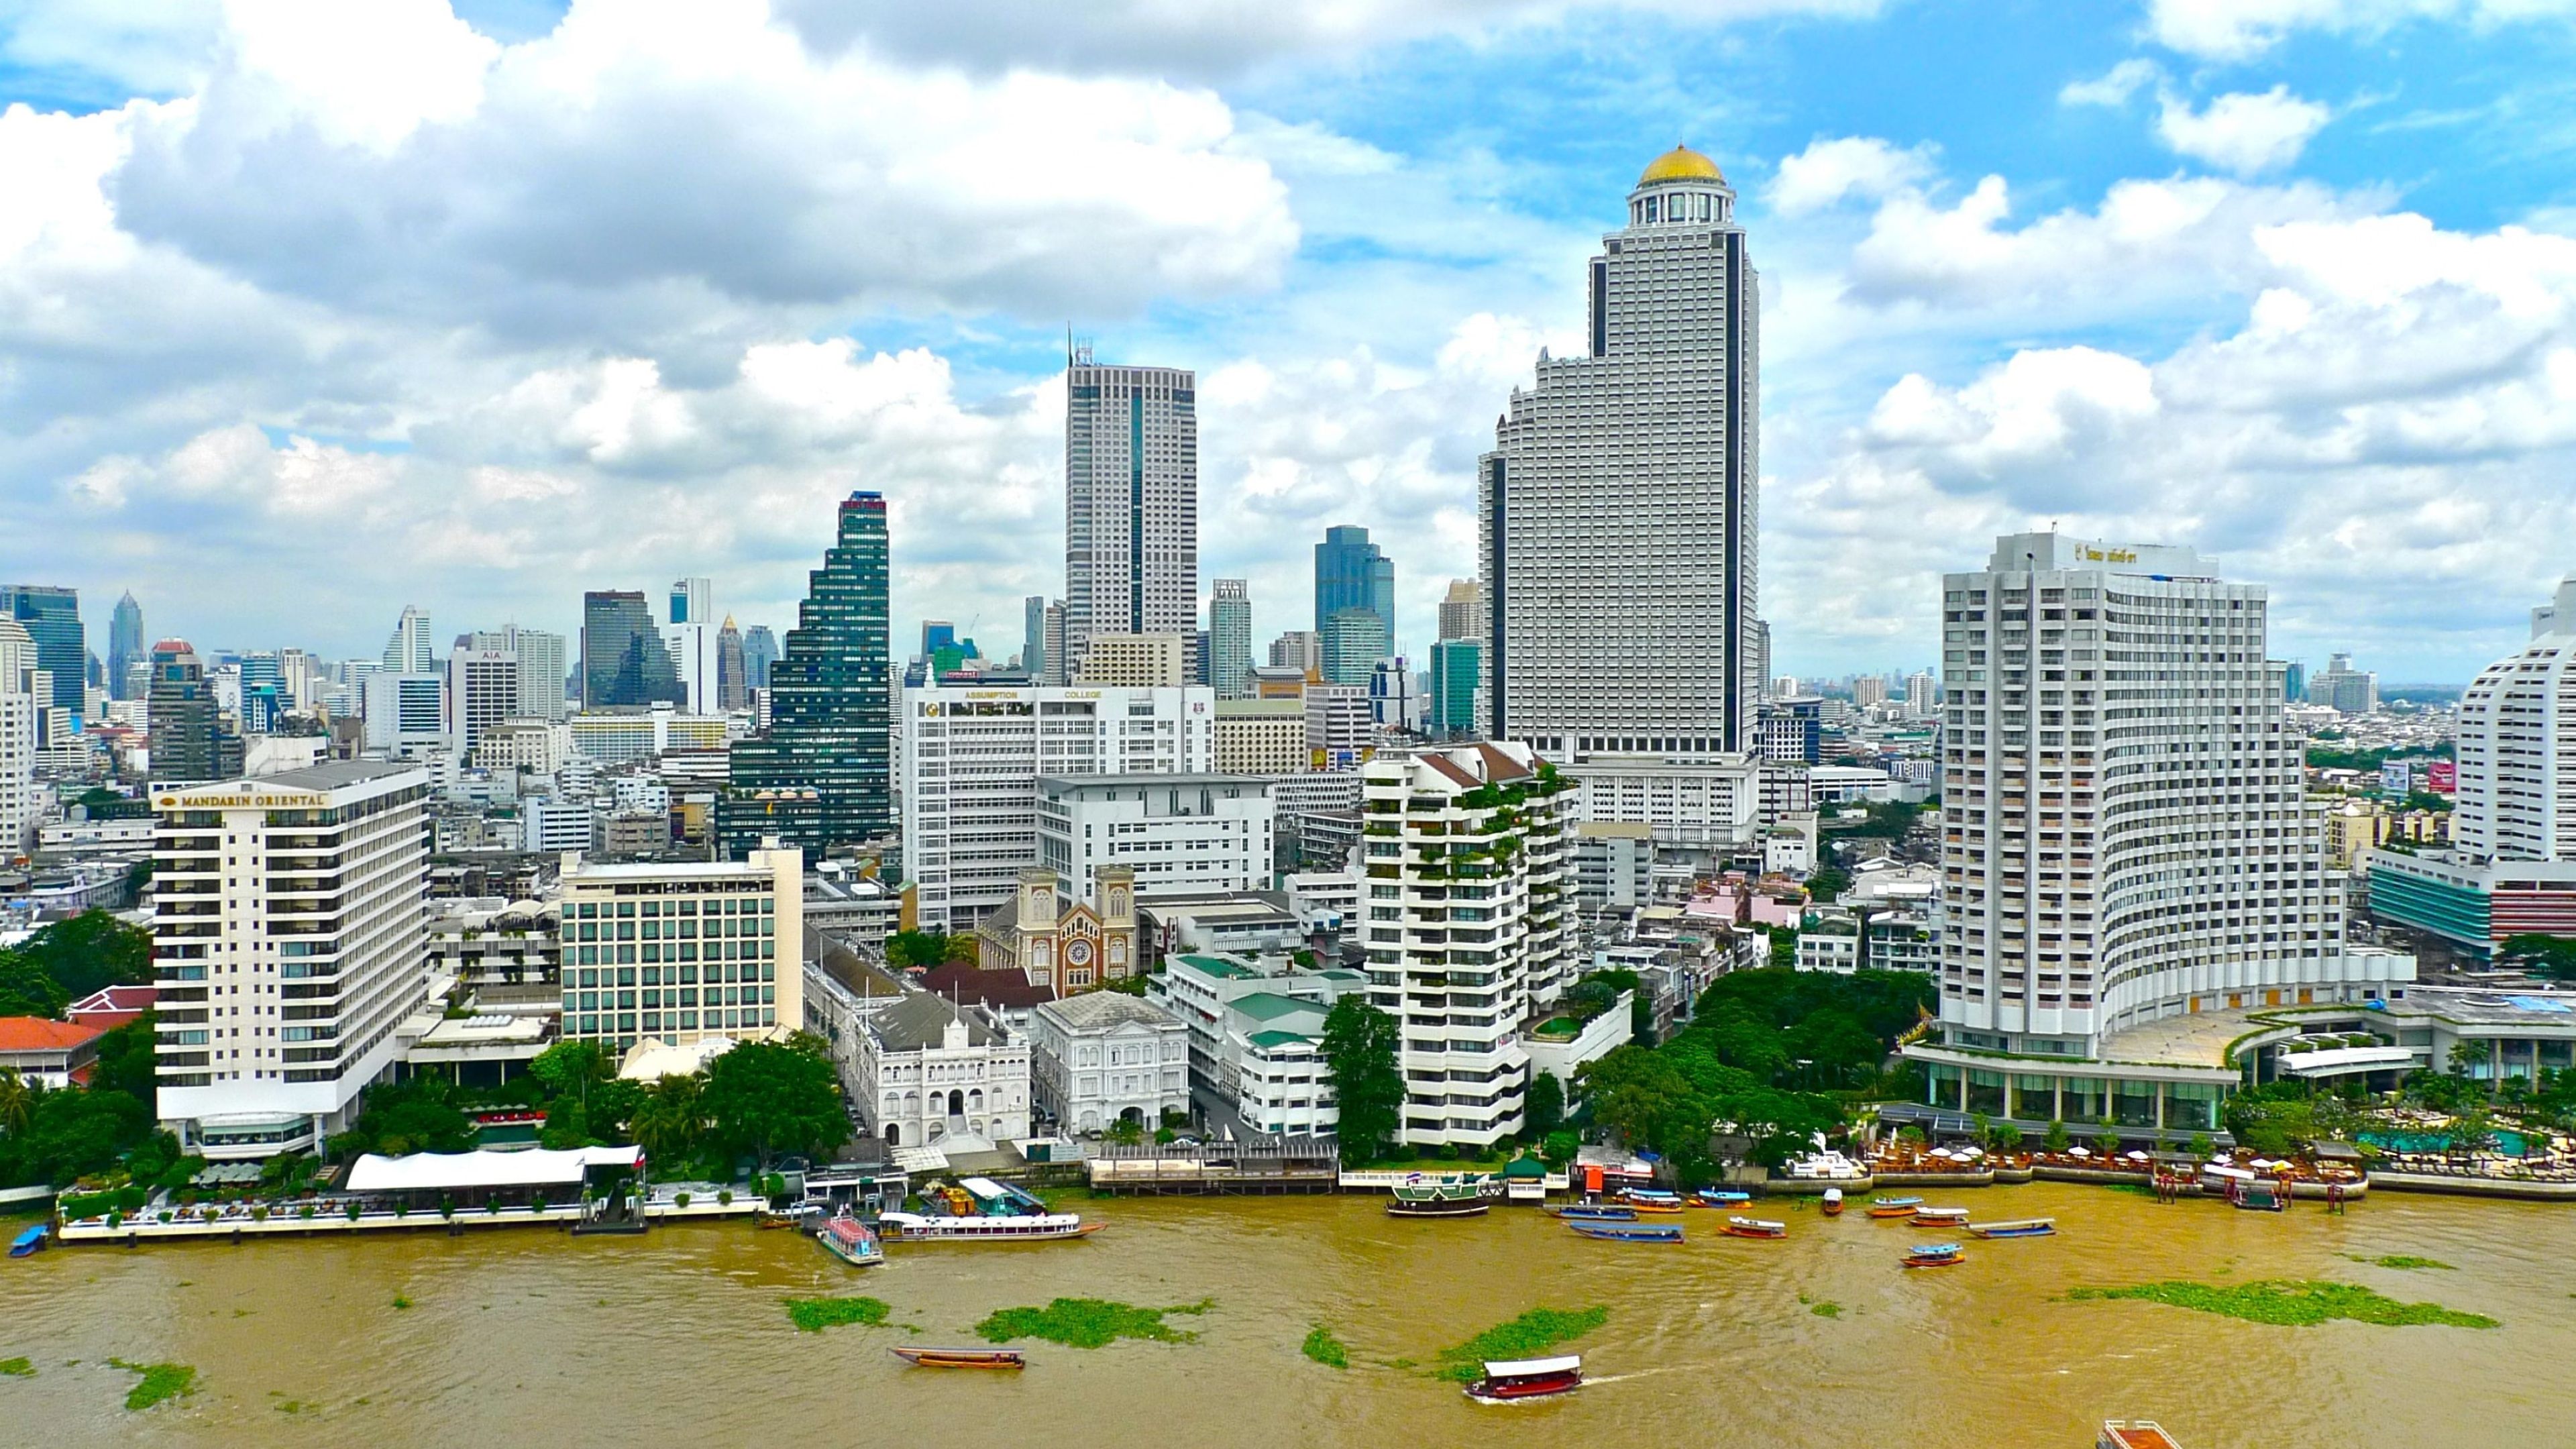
(1784, 947)
(1545, 1106)
(2058, 1138)
(673, 1119)
(2551, 958)
(128, 1061)
(1359, 1052)
(1826, 883)
(927, 948)
(27, 989)
(90, 951)
(17, 1101)
(571, 1068)
(767, 1098)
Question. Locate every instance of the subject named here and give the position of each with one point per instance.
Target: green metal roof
(1219, 966)
(1270, 1006)
(1266, 1039)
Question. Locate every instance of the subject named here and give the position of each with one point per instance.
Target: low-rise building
(1106, 1058)
(49, 1054)
(1614, 862)
(1200, 989)
(929, 1073)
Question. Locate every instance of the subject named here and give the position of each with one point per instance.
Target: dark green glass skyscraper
(823, 775)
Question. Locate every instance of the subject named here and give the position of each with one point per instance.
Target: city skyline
(1356, 285)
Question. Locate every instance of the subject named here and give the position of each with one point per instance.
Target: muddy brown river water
(519, 1337)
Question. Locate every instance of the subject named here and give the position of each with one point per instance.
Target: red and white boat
(1755, 1228)
(1529, 1378)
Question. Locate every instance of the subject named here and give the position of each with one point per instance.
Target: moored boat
(1652, 1200)
(787, 1217)
(30, 1242)
(1628, 1232)
(965, 1358)
(1833, 1202)
(2134, 1434)
(1940, 1217)
(1595, 1213)
(850, 1240)
(1533, 1378)
(1894, 1207)
(1935, 1255)
(1025, 1228)
(2015, 1228)
(1447, 1201)
(1740, 1227)
(1720, 1197)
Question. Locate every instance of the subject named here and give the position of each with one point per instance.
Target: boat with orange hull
(962, 1358)
(1833, 1202)
(1894, 1207)
(1935, 1255)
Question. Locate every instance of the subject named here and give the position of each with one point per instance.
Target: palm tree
(671, 1120)
(17, 1101)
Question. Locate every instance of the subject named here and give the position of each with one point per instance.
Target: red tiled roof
(137, 998)
(979, 987)
(36, 1034)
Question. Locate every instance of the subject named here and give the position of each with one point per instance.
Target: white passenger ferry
(1025, 1228)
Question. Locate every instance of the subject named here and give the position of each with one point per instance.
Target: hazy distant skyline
(311, 310)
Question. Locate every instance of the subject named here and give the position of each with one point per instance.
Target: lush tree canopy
(767, 1098)
(1359, 1050)
(2552, 958)
(1827, 882)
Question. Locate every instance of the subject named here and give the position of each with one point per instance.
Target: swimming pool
(2511, 1144)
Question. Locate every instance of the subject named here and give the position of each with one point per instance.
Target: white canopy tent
(454, 1171)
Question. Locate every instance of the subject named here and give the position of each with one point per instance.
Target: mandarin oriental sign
(234, 802)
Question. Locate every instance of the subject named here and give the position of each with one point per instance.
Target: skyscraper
(1355, 639)
(624, 663)
(759, 651)
(1033, 636)
(1453, 687)
(51, 617)
(1230, 639)
(1462, 611)
(18, 705)
(1297, 649)
(1618, 503)
(1131, 503)
(541, 657)
(482, 691)
(1053, 644)
(830, 709)
(125, 647)
(1351, 573)
(2129, 836)
(690, 635)
(730, 684)
(185, 730)
(411, 650)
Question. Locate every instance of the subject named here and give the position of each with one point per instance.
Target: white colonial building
(929, 1074)
(1104, 1057)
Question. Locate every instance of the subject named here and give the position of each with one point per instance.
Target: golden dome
(1681, 164)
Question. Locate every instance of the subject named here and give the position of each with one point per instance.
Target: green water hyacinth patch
(1529, 1336)
(1086, 1323)
(813, 1315)
(1325, 1349)
(160, 1381)
(2292, 1302)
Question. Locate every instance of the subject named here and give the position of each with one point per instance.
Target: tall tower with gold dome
(1617, 512)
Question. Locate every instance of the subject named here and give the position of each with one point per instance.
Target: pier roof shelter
(423, 1174)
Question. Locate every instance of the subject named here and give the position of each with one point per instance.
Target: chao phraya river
(526, 1337)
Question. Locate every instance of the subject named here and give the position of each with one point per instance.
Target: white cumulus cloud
(1830, 170)
(2243, 132)
(2236, 30)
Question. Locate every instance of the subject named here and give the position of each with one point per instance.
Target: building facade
(2126, 834)
(1353, 573)
(1230, 638)
(928, 1073)
(18, 706)
(288, 934)
(1107, 1059)
(1175, 834)
(1131, 503)
(830, 704)
(1709, 804)
(1469, 931)
(683, 952)
(1260, 736)
(1619, 502)
(125, 646)
(51, 617)
(1353, 640)
(1140, 661)
(1066, 943)
(972, 759)
(624, 662)
(185, 727)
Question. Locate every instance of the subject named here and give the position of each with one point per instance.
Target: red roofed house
(51, 1054)
(111, 1007)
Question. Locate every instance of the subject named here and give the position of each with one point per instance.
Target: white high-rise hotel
(1616, 514)
(289, 914)
(2126, 834)
(1131, 505)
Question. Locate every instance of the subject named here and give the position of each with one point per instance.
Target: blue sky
(479, 307)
